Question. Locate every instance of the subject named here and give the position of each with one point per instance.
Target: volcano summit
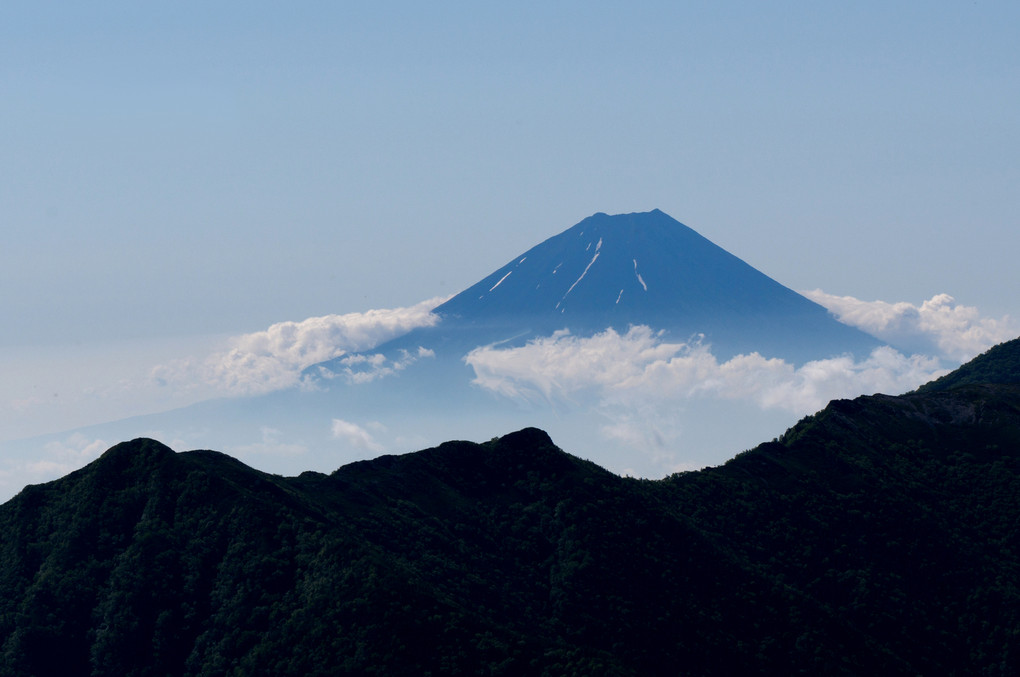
(636, 269)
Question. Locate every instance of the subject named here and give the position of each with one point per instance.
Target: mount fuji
(619, 271)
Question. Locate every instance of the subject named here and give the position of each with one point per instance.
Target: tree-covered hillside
(880, 536)
(999, 364)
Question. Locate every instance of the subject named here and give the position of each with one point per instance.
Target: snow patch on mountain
(587, 268)
(501, 280)
(639, 278)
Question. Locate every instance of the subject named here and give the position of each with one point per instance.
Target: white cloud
(640, 363)
(638, 381)
(363, 368)
(561, 365)
(939, 325)
(75, 451)
(57, 459)
(355, 436)
(273, 359)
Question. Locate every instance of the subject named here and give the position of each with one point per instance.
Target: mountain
(634, 269)
(422, 387)
(999, 364)
(879, 536)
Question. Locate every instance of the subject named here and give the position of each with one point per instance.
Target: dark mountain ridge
(1000, 364)
(879, 536)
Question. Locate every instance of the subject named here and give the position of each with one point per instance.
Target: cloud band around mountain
(641, 365)
(273, 359)
(938, 326)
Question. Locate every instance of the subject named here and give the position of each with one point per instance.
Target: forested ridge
(879, 536)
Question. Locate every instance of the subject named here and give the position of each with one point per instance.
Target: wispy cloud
(73, 452)
(939, 326)
(273, 359)
(56, 459)
(355, 436)
(271, 444)
(364, 368)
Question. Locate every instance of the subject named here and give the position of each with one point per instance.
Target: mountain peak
(616, 272)
(136, 456)
(648, 268)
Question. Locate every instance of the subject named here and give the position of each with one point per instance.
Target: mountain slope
(999, 364)
(879, 536)
(501, 558)
(900, 514)
(625, 269)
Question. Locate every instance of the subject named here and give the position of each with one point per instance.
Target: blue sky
(173, 174)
